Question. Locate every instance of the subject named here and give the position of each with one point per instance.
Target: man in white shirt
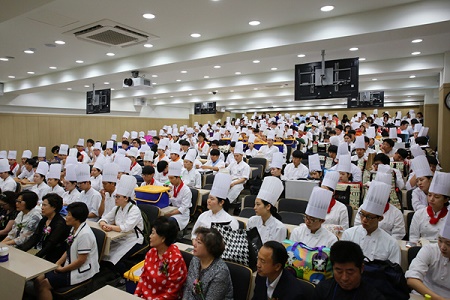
(268, 150)
(375, 242)
(190, 176)
(108, 192)
(295, 170)
(387, 147)
(88, 195)
(214, 163)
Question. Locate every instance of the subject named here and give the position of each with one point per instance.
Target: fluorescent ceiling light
(327, 8)
(254, 23)
(196, 35)
(148, 16)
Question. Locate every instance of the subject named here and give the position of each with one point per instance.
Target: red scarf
(386, 208)
(152, 181)
(442, 214)
(176, 190)
(165, 173)
(332, 203)
(133, 165)
(11, 168)
(201, 146)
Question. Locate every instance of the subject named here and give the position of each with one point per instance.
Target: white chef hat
(42, 152)
(331, 179)
(27, 154)
(42, 168)
(421, 167)
(251, 138)
(126, 134)
(271, 189)
(99, 164)
(342, 150)
(63, 149)
(191, 155)
(417, 151)
(4, 165)
(110, 172)
(124, 164)
(355, 125)
(144, 148)
(370, 132)
(54, 171)
(360, 143)
(120, 153)
(83, 172)
(71, 174)
(162, 144)
(376, 198)
(141, 134)
(133, 151)
(134, 134)
(271, 135)
(175, 132)
(417, 127)
(80, 142)
(392, 133)
(277, 160)
(290, 131)
(190, 130)
(152, 133)
(126, 185)
(440, 184)
(334, 140)
(345, 164)
(314, 163)
(70, 160)
(445, 230)
(423, 131)
(12, 154)
(175, 148)
(175, 168)
(384, 174)
(239, 148)
(98, 146)
(73, 152)
(110, 144)
(113, 137)
(148, 156)
(3, 154)
(318, 203)
(221, 185)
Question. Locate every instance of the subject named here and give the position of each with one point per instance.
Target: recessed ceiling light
(217, 67)
(232, 91)
(154, 76)
(148, 16)
(60, 42)
(171, 96)
(412, 76)
(417, 41)
(113, 89)
(148, 45)
(362, 59)
(53, 68)
(237, 73)
(327, 8)
(183, 72)
(110, 54)
(79, 61)
(86, 85)
(273, 69)
(301, 55)
(374, 79)
(31, 73)
(354, 49)
(178, 80)
(416, 53)
(189, 94)
(154, 83)
(11, 76)
(69, 89)
(256, 61)
(206, 76)
(29, 51)
(106, 82)
(255, 89)
(196, 35)
(4, 59)
(254, 23)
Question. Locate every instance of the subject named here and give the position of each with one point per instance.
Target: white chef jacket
(92, 199)
(251, 153)
(8, 184)
(433, 269)
(161, 177)
(322, 237)
(57, 190)
(219, 164)
(72, 196)
(86, 158)
(110, 202)
(208, 217)
(83, 243)
(136, 169)
(293, 173)
(393, 222)
(25, 174)
(156, 182)
(421, 227)
(419, 199)
(267, 152)
(191, 178)
(158, 159)
(127, 219)
(273, 230)
(183, 202)
(338, 215)
(41, 190)
(202, 151)
(15, 169)
(109, 159)
(238, 171)
(230, 159)
(379, 245)
(96, 182)
(221, 156)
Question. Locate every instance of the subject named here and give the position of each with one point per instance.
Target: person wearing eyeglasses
(375, 242)
(311, 233)
(8, 213)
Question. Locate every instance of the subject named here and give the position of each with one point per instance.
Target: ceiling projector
(136, 82)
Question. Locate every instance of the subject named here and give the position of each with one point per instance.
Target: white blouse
(421, 227)
(273, 230)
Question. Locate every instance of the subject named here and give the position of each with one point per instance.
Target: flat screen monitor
(98, 102)
(205, 108)
(367, 99)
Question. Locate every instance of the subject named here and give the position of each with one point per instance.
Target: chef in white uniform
(180, 196)
(267, 220)
(268, 150)
(311, 233)
(216, 200)
(7, 183)
(14, 166)
(428, 221)
(41, 188)
(393, 221)
(295, 169)
(239, 171)
(251, 151)
(109, 152)
(337, 213)
(96, 174)
(53, 179)
(71, 194)
(88, 195)
(80, 147)
(375, 242)
(190, 176)
(423, 175)
(429, 270)
(125, 217)
(110, 172)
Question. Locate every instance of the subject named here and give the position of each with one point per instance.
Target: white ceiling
(382, 32)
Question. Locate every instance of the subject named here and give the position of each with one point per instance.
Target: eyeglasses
(311, 219)
(368, 217)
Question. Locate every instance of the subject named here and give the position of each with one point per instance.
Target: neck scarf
(442, 214)
(332, 203)
(177, 189)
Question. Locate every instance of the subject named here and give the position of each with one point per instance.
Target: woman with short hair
(8, 212)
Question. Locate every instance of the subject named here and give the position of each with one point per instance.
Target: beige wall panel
(430, 116)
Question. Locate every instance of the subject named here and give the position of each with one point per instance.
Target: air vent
(109, 33)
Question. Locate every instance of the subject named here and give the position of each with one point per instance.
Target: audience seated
(8, 212)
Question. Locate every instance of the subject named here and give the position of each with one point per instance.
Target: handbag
(152, 194)
(308, 263)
